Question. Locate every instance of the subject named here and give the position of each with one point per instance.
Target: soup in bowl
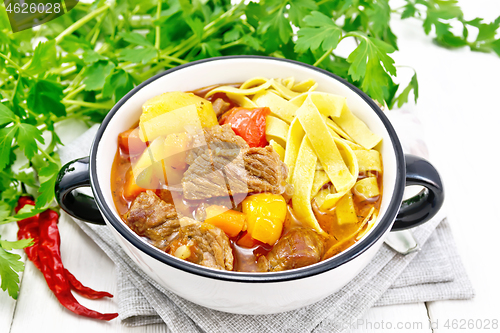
(265, 191)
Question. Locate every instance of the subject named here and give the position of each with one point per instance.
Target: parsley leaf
(413, 85)
(6, 137)
(369, 63)
(6, 116)
(117, 85)
(90, 56)
(140, 55)
(10, 267)
(320, 31)
(96, 74)
(45, 98)
(44, 57)
(27, 135)
(20, 244)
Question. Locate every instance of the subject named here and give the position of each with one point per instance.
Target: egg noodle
(320, 140)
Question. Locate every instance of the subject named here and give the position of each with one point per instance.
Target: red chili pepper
(84, 291)
(249, 123)
(46, 255)
(28, 228)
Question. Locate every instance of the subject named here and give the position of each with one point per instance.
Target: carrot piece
(130, 189)
(230, 221)
(130, 142)
(247, 241)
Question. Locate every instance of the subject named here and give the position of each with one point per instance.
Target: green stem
(228, 45)
(11, 62)
(75, 92)
(177, 60)
(157, 29)
(97, 31)
(89, 104)
(78, 24)
(44, 153)
(323, 57)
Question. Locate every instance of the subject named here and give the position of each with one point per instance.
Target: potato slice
(155, 108)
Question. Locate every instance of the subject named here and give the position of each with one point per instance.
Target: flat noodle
(345, 210)
(356, 129)
(304, 86)
(288, 82)
(320, 180)
(278, 148)
(321, 195)
(255, 81)
(368, 160)
(293, 142)
(371, 214)
(348, 155)
(324, 146)
(233, 90)
(330, 200)
(276, 129)
(366, 188)
(283, 91)
(338, 130)
(241, 100)
(279, 106)
(302, 183)
(328, 104)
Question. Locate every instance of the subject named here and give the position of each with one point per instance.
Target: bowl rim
(260, 277)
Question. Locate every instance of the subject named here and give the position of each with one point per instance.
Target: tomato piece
(249, 123)
(130, 142)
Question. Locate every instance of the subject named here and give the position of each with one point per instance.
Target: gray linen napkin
(433, 273)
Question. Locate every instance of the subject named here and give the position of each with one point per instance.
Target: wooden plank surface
(460, 111)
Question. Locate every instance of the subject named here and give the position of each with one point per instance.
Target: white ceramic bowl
(247, 293)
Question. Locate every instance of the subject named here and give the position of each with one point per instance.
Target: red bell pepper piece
(249, 123)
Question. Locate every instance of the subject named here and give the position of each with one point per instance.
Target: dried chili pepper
(84, 291)
(45, 254)
(28, 228)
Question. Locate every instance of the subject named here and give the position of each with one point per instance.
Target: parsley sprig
(80, 64)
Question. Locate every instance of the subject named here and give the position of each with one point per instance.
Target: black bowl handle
(426, 204)
(73, 175)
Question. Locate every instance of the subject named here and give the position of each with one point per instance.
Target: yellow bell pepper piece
(266, 214)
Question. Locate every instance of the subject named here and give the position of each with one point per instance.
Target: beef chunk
(214, 138)
(203, 244)
(152, 217)
(298, 248)
(220, 106)
(266, 172)
(225, 172)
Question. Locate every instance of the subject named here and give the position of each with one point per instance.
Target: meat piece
(149, 212)
(203, 244)
(220, 106)
(266, 172)
(214, 138)
(151, 217)
(298, 248)
(221, 173)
